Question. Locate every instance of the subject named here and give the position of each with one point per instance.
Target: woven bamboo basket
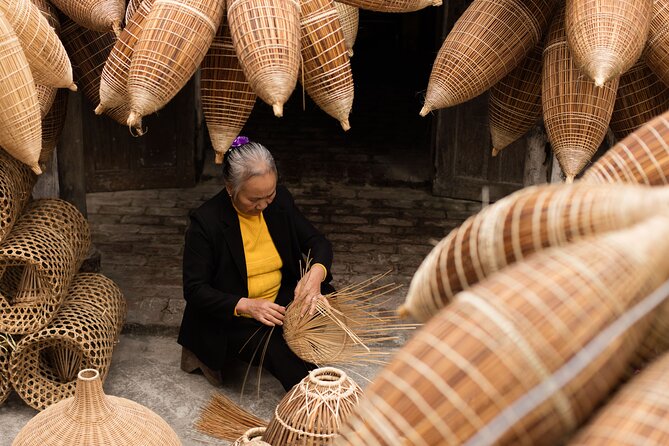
(92, 418)
(252, 437)
(16, 185)
(514, 104)
(392, 5)
(576, 111)
(44, 365)
(133, 5)
(227, 98)
(97, 15)
(641, 97)
(50, 12)
(488, 41)
(606, 37)
(519, 358)
(312, 412)
(327, 75)
(349, 17)
(175, 38)
(657, 47)
(518, 225)
(642, 157)
(7, 345)
(20, 127)
(266, 36)
(52, 126)
(638, 413)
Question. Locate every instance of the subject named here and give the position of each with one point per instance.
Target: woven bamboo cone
(349, 17)
(606, 37)
(470, 369)
(45, 97)
(227, 98)
(488, 41)
(392, 5)
(52, 125)
(49, 12)
(641, 97)
(96, 15)
(266, 36)
(576, 111)
(133, 5)
(327, 71)
(657, 47)
(223, 418)
(514, 104)
(175, 38)
(520, 224)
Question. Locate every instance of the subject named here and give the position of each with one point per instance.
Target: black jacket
(214, 267)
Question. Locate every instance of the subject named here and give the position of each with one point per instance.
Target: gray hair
(246, 161)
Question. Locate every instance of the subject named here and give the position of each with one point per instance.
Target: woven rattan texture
(50, 12)
(83, 334)
(96, 15)
(227, 98)
(312, 412)
(518, 225)
(252, 437)
(641, 97)
(657, 47)
(576, 111)
(503, 337)
(133, 5)
(16, 185)
(349, 17)
(5, 384)
(266, 36)
(45, 97)
(488, 41)
(514, 104)
(93, 418)
(392, 5)
(642, 157)
(52, 125)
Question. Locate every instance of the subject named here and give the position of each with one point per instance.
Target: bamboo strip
(133, 5)
(223, 418)
(392, 5)
(97, 15)
(349, 17)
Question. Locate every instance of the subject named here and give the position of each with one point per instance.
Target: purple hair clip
(239, 141)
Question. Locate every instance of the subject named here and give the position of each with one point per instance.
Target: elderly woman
(241, 267)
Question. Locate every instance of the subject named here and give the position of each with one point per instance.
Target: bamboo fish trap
(251, 437)
(175, 38)
(227, 98)
(7, 345)
(52, 125)
(349, 17)
(524, 357)
(514, 104)
(392, 5)
(16, 185)
(96, 15)
(641, 97)
(657, 47)
(266, 36)
(50, 12)
(327, 75)
(638, 413)
(488, 41)
(606, 37)
(133, 5)
(518, 225)
(222, 418)
(45, 97)
(312, 412)
(576, 111)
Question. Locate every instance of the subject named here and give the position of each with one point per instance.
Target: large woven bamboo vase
(91, 418)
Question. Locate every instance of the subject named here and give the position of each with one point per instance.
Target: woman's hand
(262, 310)
(308, 291)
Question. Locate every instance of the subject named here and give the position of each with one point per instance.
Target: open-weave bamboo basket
(519, 359)
(312, 412)
(266, 36)
(606, 37)
(252, 437)
(92, 418)
(392, 5)
(518, 225)
(175, 38)
(488, 41)
(349, 17)
(227, 98)
(133, 5)
(576, 111)
(514, 104)
(7, 345)
(657, 47)
(638, 413)
(52, 125)
(96, 15)
(44, 365)
(16, 185)
(327, 75)
(642, 157)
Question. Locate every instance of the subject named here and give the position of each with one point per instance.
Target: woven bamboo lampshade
(606, 37)
(488, 41)
(576, 111)
(518, 225)
(92, 418)
(97, 15)
(327, 71)
(392, 5)
(7, 345)
(227, 98)
(266, 36)
(52, 125)
(657, 47)
(642, 157)
(252, 437)
(175, 38)
(485, 369)
(514, 104)
(133, 5)
(16, 185)
(312, 412)
(349, 16)
(50, 12)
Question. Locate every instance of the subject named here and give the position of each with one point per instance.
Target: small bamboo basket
(657, 47)
(266, 36)
(606, 37)
(327, 79)
(7, 345)
(576, 111)
(485, 369)
(16, 185)
(97, 15)
(227, 97)
(133, 5)
(488, 41)
(175, 38)
(312, 412)
(52, 126)
(514, 104)
(349, 18)
(392, 5)
(252, 437)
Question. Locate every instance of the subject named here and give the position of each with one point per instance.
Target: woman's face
(255, 194)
